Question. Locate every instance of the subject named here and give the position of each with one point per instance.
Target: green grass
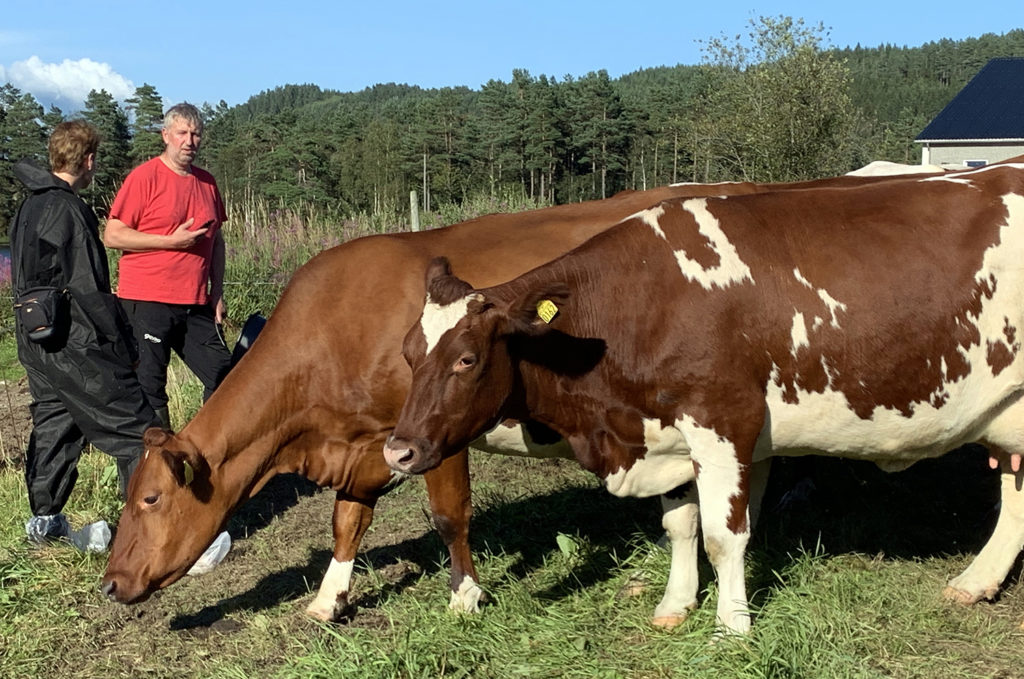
(558, 605)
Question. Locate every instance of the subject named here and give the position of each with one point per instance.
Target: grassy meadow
(844, 572)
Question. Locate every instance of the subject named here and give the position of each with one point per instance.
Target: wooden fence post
(414, 209)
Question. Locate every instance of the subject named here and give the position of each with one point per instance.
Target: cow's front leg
(986, 573)
(351, 519)
(680, 519)
(450, 504)
(722, 464)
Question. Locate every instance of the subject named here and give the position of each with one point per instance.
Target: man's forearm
(119, 236)
(217, 264)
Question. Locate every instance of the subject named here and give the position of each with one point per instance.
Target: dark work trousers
(106, 409)
(191, 332)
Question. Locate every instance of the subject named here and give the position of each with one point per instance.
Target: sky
(211, 51)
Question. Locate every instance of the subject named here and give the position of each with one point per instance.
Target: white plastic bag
(213, 555)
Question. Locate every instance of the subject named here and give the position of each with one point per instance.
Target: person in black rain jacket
(81, 377)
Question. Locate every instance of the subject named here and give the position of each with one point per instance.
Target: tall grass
(267, 243)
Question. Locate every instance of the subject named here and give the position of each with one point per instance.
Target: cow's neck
(555, 367)
(245, 434)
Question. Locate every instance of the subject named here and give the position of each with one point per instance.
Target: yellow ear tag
(190, 473)
(546, 309)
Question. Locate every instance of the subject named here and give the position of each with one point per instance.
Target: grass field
(845, 582)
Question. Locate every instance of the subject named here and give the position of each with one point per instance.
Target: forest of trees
(775, 105)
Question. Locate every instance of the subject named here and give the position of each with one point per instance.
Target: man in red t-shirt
(166, 219)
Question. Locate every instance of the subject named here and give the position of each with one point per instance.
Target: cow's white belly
(825, 424)
(665, 466)
(979, 406)
(515, 440)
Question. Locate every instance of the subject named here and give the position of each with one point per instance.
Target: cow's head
(463, 370)
(168, 520)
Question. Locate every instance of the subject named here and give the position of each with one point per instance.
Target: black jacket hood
(36, 178)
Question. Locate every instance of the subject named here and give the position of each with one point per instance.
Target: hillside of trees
(778, 104)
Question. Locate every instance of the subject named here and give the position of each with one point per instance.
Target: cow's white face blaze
(166, 523)
(437, 319)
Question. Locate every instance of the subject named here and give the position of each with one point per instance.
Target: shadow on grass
(525, 527)
(280, 494)
(935, 508)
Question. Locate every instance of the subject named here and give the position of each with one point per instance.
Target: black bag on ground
(43, 312)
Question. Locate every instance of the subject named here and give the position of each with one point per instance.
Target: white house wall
(959, 154)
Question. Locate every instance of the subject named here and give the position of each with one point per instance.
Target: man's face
(181, 140)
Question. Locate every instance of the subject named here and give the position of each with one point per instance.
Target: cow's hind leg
(351, 519)
(448, 490)
(986, 573)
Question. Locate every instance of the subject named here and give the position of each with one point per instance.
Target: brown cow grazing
(320, 390)
(703, 335)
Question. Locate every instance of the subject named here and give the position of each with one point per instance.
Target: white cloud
(68, 83)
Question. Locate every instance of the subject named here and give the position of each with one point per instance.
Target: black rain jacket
(55, 242)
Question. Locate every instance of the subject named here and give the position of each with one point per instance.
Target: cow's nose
(108, 588)
(399, 454)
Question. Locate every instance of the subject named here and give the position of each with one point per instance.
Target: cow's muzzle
(411, 456)
(117, 590)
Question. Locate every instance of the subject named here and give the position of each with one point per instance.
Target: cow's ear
(185, 468)
(155, 437)
(442, 287)
(477, 303)
(438, 267)
(535, 311)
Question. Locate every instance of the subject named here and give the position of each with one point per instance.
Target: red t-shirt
(155, 199)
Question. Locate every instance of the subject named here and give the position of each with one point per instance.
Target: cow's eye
(151, 500)
(465, 362)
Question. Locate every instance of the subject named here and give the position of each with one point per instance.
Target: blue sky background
(209, 51)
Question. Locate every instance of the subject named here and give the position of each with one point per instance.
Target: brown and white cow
(320, 390)
(706, 334)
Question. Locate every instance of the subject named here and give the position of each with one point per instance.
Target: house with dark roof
(984, 123)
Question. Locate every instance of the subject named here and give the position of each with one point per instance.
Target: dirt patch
(15, 420)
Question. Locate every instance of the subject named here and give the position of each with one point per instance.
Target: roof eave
(1009, 140)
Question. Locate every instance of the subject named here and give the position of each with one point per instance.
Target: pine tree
(113, 159)
(22, 136)
(147, 118)
(599, 132)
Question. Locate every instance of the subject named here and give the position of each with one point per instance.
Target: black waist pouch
(43, 312)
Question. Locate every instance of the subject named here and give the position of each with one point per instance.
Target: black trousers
(77, 398)
(188, 330)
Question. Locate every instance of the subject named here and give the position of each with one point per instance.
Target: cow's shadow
(937, 507)
(527, 528)
(281, 493)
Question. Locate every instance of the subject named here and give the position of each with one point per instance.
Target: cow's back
(334, 339)
(883, 320)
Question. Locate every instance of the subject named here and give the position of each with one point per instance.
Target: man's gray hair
(185, 111)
